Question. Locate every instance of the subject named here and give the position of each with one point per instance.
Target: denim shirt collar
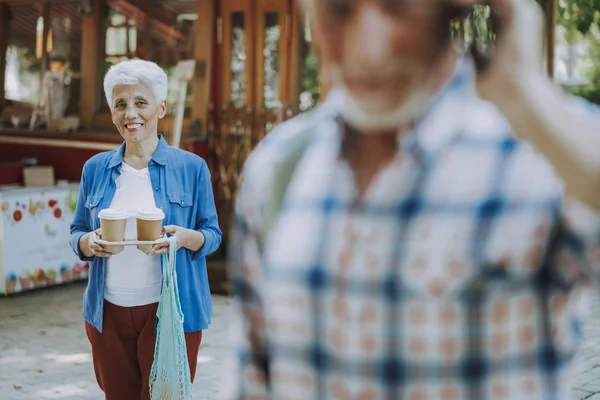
(160, 155)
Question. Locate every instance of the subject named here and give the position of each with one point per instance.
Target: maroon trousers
(123, 353)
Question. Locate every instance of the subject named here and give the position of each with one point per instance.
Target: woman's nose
(131, 112)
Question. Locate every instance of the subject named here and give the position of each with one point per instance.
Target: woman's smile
(133, 126)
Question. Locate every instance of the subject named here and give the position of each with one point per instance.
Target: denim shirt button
(156, 189)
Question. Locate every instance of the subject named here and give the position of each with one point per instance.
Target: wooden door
(256, 46)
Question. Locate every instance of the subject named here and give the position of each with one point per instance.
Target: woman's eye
(120, 105)
(140, 103)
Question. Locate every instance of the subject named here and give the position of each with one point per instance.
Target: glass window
(238, 60)
(271, 60)
(121, 37)
(22, 81)
(24, 88)
(126, 39)
(310, 83)
(64, 51)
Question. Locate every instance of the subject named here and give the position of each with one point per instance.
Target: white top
(132, 277)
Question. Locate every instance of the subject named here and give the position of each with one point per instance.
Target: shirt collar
(160, 155)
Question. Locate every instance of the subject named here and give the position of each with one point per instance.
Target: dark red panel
(67, 162)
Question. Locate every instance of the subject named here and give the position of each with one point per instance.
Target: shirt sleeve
(578, 249)
(251, 358)
(79, 226)
(207, 220)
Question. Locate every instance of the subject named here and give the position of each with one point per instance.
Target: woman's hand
(89, 247)
(190, 239)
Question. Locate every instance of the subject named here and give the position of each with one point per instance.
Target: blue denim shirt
(182, 188)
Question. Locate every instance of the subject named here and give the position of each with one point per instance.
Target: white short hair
(133, 72)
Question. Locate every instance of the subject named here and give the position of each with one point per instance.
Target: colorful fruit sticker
(52, 203)
(17, 215)
(39, 274)
(5, 206)
(51, 273)
(57, 213)
(34, 207)
(49, 231)
(72, 199)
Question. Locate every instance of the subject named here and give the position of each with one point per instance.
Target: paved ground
(587, 380)
(44, 353)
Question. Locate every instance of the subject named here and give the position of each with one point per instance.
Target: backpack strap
(282, 177)
(285, 171)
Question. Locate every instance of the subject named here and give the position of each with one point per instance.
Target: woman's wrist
(84, 245)
(193, 240)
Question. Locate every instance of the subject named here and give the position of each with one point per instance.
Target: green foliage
(581, 19)
(310, 81)
(591, 91)
(579, 15)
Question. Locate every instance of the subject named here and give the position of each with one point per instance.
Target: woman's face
(135, 112)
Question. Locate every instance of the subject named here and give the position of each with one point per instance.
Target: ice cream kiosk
(34, 238)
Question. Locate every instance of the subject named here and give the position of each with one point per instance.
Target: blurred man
(439, 224)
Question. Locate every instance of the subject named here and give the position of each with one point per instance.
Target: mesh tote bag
(170, 375)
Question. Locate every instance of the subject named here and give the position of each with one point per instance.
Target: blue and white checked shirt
(431, 286)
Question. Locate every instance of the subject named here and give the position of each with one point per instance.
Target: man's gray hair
(133, 72)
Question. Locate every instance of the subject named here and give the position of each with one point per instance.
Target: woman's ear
(163, 109)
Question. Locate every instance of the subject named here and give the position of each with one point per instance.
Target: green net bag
(170, 375)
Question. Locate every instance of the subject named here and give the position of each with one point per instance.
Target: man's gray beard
(368, 119)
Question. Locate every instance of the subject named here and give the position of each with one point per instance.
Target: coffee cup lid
(150, 214)
(112, 214)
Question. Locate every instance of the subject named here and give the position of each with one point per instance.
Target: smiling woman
(121, 301)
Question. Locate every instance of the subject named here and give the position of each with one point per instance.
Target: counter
(34, 238)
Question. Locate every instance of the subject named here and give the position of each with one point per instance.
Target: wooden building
(253, 68)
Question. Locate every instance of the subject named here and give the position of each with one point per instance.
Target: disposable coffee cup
(149, 223)
(113, 222)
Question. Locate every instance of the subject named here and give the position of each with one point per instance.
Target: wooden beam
(551, 7)
(161, 23)
(203, 52)
(290, 25)
(252, 48)
(4, 30)
(33, 2)
(296, 61)
(92, 55)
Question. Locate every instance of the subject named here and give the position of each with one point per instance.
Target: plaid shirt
(433, 285)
